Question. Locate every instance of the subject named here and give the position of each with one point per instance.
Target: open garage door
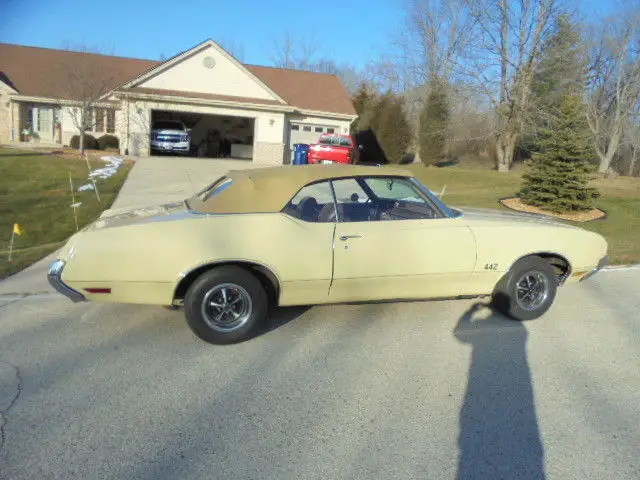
(209, 136)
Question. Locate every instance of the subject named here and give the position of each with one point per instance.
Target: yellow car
(315, 234)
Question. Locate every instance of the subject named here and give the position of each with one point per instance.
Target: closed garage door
(308, 133)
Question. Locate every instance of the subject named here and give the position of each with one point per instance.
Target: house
(262, 111)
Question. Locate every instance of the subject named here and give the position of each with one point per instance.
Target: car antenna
(193, 189)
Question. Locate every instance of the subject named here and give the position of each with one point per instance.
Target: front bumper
(55, 279)
(604, 261)
(170, 146)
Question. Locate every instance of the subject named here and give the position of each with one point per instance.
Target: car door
(392, 242)
(306, 263)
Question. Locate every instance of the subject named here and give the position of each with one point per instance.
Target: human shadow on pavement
(499, 435)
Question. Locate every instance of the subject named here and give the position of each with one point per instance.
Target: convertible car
(317, 234)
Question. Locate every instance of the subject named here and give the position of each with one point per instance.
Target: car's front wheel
(225, 305)
(527, 290)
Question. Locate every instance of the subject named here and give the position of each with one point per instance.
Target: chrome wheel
(532, 290)
(226, 307)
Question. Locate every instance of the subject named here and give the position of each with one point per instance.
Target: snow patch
(112, 165)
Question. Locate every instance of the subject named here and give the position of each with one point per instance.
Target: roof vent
(209, 62)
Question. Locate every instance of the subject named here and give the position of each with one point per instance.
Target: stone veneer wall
(268, 154)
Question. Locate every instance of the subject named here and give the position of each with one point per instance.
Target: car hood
(491, 215)
(169, 131)
(139, 215)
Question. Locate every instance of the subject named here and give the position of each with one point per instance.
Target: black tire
(233, 291)
(527, 290)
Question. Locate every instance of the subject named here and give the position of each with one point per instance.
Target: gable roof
(35, 71)
(207, 44)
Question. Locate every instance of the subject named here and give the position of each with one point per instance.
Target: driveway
(408, 390)
(423, 390)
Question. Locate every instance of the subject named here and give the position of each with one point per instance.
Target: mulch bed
(514, 203)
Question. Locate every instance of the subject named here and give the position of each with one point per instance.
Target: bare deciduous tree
(436, 32)
(615, 84)
(86, 81)
(506, 44)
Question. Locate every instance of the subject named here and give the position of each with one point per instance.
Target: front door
(391, 242)
(44, 118)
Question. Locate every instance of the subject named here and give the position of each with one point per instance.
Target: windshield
(335, 140)
(168, 125)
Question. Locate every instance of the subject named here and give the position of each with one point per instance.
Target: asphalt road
(425, 390)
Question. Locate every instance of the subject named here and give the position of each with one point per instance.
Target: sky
(353, 32)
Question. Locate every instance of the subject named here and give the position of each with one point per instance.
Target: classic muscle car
(316, 234)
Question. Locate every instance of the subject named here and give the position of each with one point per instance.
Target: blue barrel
(300, 154)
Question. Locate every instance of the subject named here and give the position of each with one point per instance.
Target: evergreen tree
(562, 68)
(434, 123)
(391, 127)
(559, 174)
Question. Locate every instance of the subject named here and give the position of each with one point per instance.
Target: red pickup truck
(334, 148)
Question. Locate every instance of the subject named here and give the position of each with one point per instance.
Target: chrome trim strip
(55, 279)
(604, 261)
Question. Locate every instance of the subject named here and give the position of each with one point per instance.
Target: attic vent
(209, 62)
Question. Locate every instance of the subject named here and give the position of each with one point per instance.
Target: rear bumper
(604, 261)
(55, 279)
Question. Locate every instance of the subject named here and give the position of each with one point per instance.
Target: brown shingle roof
(308, 90)
(40, 72)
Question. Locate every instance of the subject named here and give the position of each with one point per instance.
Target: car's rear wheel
(527, 290)
(225, 305)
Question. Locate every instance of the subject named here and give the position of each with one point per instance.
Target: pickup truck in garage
(334, 148)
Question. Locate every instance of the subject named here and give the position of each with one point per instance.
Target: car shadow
(281, 316)
(499, 435)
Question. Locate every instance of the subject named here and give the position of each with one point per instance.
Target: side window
(313, 203)
(353, 203)
(398, 198)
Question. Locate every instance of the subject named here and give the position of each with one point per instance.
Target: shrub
(108, 141)
(90, 142)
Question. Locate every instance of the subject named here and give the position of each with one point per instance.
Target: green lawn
(474, 187)
(35, 193)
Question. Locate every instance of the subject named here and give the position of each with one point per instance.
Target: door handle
(344, 238)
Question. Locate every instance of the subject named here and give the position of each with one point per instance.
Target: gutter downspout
(126, 150)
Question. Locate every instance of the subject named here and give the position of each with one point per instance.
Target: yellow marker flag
(17, 229)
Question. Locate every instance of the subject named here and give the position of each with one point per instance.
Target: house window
(99, 116)
(307, 129)
(295, 127)
(111, 120)
(319, 129)
(331, 130)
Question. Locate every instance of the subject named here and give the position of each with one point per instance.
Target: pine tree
(561, 68)
(558, 177)
(391, 127)
(434, 122)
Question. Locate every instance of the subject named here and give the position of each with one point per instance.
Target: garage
(211, 136)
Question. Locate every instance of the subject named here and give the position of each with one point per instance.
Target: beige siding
(226, 78)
